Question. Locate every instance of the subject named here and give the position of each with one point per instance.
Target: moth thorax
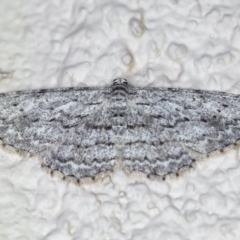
(120, 81)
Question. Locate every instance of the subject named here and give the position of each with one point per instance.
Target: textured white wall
(175, 43)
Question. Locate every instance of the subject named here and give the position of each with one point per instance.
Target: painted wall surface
(175, 43)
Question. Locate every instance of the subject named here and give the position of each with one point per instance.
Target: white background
(175, 43)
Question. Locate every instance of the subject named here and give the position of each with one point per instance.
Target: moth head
(120, 81)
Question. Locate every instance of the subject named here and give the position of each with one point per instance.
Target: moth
(83, 132)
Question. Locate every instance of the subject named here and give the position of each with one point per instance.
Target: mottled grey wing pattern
(62, 126)
(85, 131)
(178, 126)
